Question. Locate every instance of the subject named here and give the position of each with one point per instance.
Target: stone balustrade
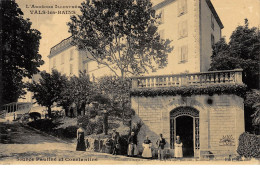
(189, 79)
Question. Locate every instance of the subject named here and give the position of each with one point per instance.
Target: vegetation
(249, 145)
(192, 90)
(121, 35)
(48, 90)
(242, 51)
(19, 51)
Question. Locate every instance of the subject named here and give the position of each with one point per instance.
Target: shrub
(84, 120)
(249, 145)
(44, 125)
(70, 132)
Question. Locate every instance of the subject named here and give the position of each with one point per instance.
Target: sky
(53, 27)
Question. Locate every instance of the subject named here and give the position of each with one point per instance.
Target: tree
(81, 91)
(118, 93)
(241, 52)
(66, 100)
(20, 47)
(48, 90)
(121, 35)
(252, 103)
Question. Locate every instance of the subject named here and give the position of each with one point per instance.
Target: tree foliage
(121, 35)
(81, 91)
(241, 52)
(48, 90)
(20, 47)
(117, 90)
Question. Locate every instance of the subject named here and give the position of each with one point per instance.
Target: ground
(27, 146)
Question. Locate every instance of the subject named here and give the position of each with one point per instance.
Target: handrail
(177, 80)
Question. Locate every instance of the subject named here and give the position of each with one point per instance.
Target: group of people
(147, 147)
(132, 150)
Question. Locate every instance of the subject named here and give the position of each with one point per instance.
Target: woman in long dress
(147, 153)
(132, 145)
(178, 148)
(81, 146)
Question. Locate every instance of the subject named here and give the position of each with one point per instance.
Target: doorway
(184, 129)
(184, 121)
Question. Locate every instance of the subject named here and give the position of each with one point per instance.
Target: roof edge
(211, 7)
(162, 4)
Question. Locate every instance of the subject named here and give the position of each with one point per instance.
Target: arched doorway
(184, 121)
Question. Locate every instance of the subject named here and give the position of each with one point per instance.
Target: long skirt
(132, 150)
(147, 153)
(178, 150)
(81, 145)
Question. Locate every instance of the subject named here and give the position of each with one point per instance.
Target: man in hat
(161, 143)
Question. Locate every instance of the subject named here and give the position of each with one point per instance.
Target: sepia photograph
(130, 82)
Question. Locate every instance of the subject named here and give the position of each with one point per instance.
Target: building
(193, 26)
(66, 59)
(204, 108)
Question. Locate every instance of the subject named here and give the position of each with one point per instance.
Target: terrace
(227, 77)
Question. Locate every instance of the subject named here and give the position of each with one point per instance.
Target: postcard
(136, 82)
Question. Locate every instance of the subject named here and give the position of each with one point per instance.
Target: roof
(64, 44)
(162, 4)
(211, 7)
(18, 103)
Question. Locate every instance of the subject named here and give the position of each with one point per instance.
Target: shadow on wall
(146, 131)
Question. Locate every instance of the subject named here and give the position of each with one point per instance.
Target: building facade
(192, 25)
(70, 61)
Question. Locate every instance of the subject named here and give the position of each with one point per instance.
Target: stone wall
(221, 119)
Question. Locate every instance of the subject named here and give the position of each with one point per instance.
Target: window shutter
(180, 29)
(185, 28)
(179, 7)
(162, 16)
(179, 54)
(185, 58)
(184, 6)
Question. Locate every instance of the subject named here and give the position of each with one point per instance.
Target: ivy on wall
(236, 89)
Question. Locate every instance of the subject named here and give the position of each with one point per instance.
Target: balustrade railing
(203, 78)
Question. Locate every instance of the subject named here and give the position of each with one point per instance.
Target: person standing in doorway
(132, 148)
(161, 143)
(178, 148)
(81, 146)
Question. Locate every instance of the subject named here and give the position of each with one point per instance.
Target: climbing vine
(237, 89)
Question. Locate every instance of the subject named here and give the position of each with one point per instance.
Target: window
(54, 62)
(212, 40)
(182, 7)
(71, 54)
(183, 29)
(62, 58)
(71, 69)
(183, 53)
(212, 21)
(161, 33)
(161, 13)
(86, 67)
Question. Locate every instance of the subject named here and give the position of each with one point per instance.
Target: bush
(84, 120)
(249, 145)
(70, 132)
(44, 125)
